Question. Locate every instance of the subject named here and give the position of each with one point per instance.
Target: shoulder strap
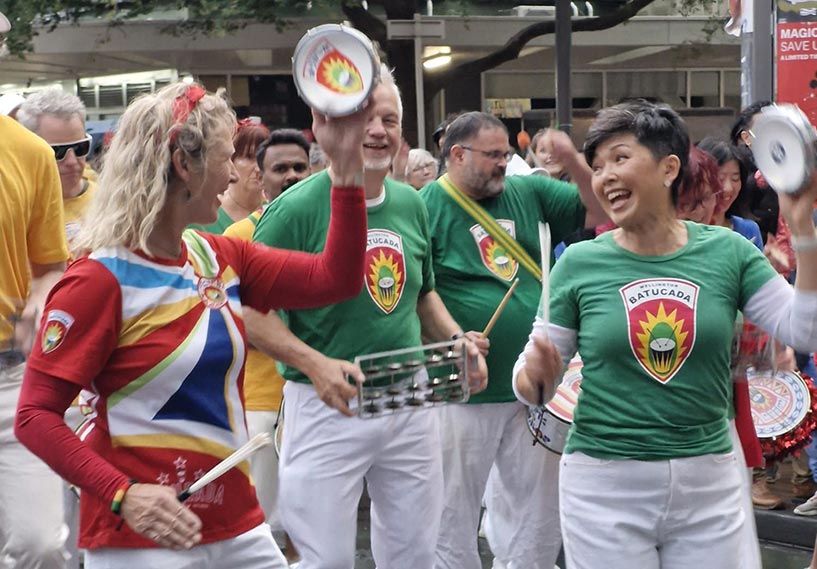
(487, 221)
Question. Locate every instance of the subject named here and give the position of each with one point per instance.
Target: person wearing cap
(10, 103)
(32, 532)
(490, 434)
(327, 453)
(58, 118)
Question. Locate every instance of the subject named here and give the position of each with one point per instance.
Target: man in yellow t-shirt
(59, 118)
(33, 252)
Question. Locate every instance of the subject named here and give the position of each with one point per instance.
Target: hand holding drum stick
(257, 442)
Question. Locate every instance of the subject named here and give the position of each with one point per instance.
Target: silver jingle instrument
(335, 69)
(785, 147)
(550, 424)
(412, 378)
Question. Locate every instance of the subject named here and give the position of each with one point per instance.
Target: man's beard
(484, 186)
(382, 164)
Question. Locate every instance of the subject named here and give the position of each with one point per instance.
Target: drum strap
(489, 224)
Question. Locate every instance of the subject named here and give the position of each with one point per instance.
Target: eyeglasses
(81, 148)
(495, 155)
(430, 165)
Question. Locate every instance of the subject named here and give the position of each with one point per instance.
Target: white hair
(54, 102)
(387, 79)
(418, 157)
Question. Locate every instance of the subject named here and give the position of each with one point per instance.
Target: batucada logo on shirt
(494, 257)
(661, 324)
(385, 268)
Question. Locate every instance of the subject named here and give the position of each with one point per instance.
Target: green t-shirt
(473, 273)
(655, 335)
(397, 270)
(218, 227)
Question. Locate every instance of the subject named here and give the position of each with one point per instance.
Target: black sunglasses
(81, 148)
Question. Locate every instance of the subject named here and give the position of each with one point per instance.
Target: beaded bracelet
(116, 503)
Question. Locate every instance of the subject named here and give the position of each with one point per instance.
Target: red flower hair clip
(183, 105)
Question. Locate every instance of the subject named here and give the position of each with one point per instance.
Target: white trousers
(751, 544)
(254, 549)
(325, 458)
(522, 523)
(264, 466)
(671, 514)
(32, 532)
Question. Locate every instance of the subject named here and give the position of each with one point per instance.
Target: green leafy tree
(219, 17)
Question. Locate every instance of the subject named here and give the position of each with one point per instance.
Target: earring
(667, 184)
(187, 193)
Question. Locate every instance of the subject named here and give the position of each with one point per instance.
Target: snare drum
(335, 69)
(784, 147)
(550, 424)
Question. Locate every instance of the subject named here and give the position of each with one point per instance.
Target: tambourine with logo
(785, 147)
(335, 69)
(784, 410)
(550, 424)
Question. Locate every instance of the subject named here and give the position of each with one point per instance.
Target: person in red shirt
(148, 323)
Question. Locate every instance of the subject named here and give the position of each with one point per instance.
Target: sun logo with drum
(56, 327)
(493, 255)
(386, 268)
(212, 293)
(339, 75)
(661, 324)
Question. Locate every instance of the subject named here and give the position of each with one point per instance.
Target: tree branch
(515, 44)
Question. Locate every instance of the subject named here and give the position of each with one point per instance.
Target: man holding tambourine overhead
(325, 456)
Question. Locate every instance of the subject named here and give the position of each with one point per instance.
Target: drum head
(567, 394)
(783, 147)
(335, 68)
(779, 402)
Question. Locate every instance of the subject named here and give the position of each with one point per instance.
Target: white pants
(253, 549)
(32, 532)
(750, 545)
(264, 465)
(324, 460)
(522, 499)
(672, 514)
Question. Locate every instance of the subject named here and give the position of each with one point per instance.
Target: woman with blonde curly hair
(148, 322)
(247, 194)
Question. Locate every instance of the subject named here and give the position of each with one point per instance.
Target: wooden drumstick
(500, 308)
